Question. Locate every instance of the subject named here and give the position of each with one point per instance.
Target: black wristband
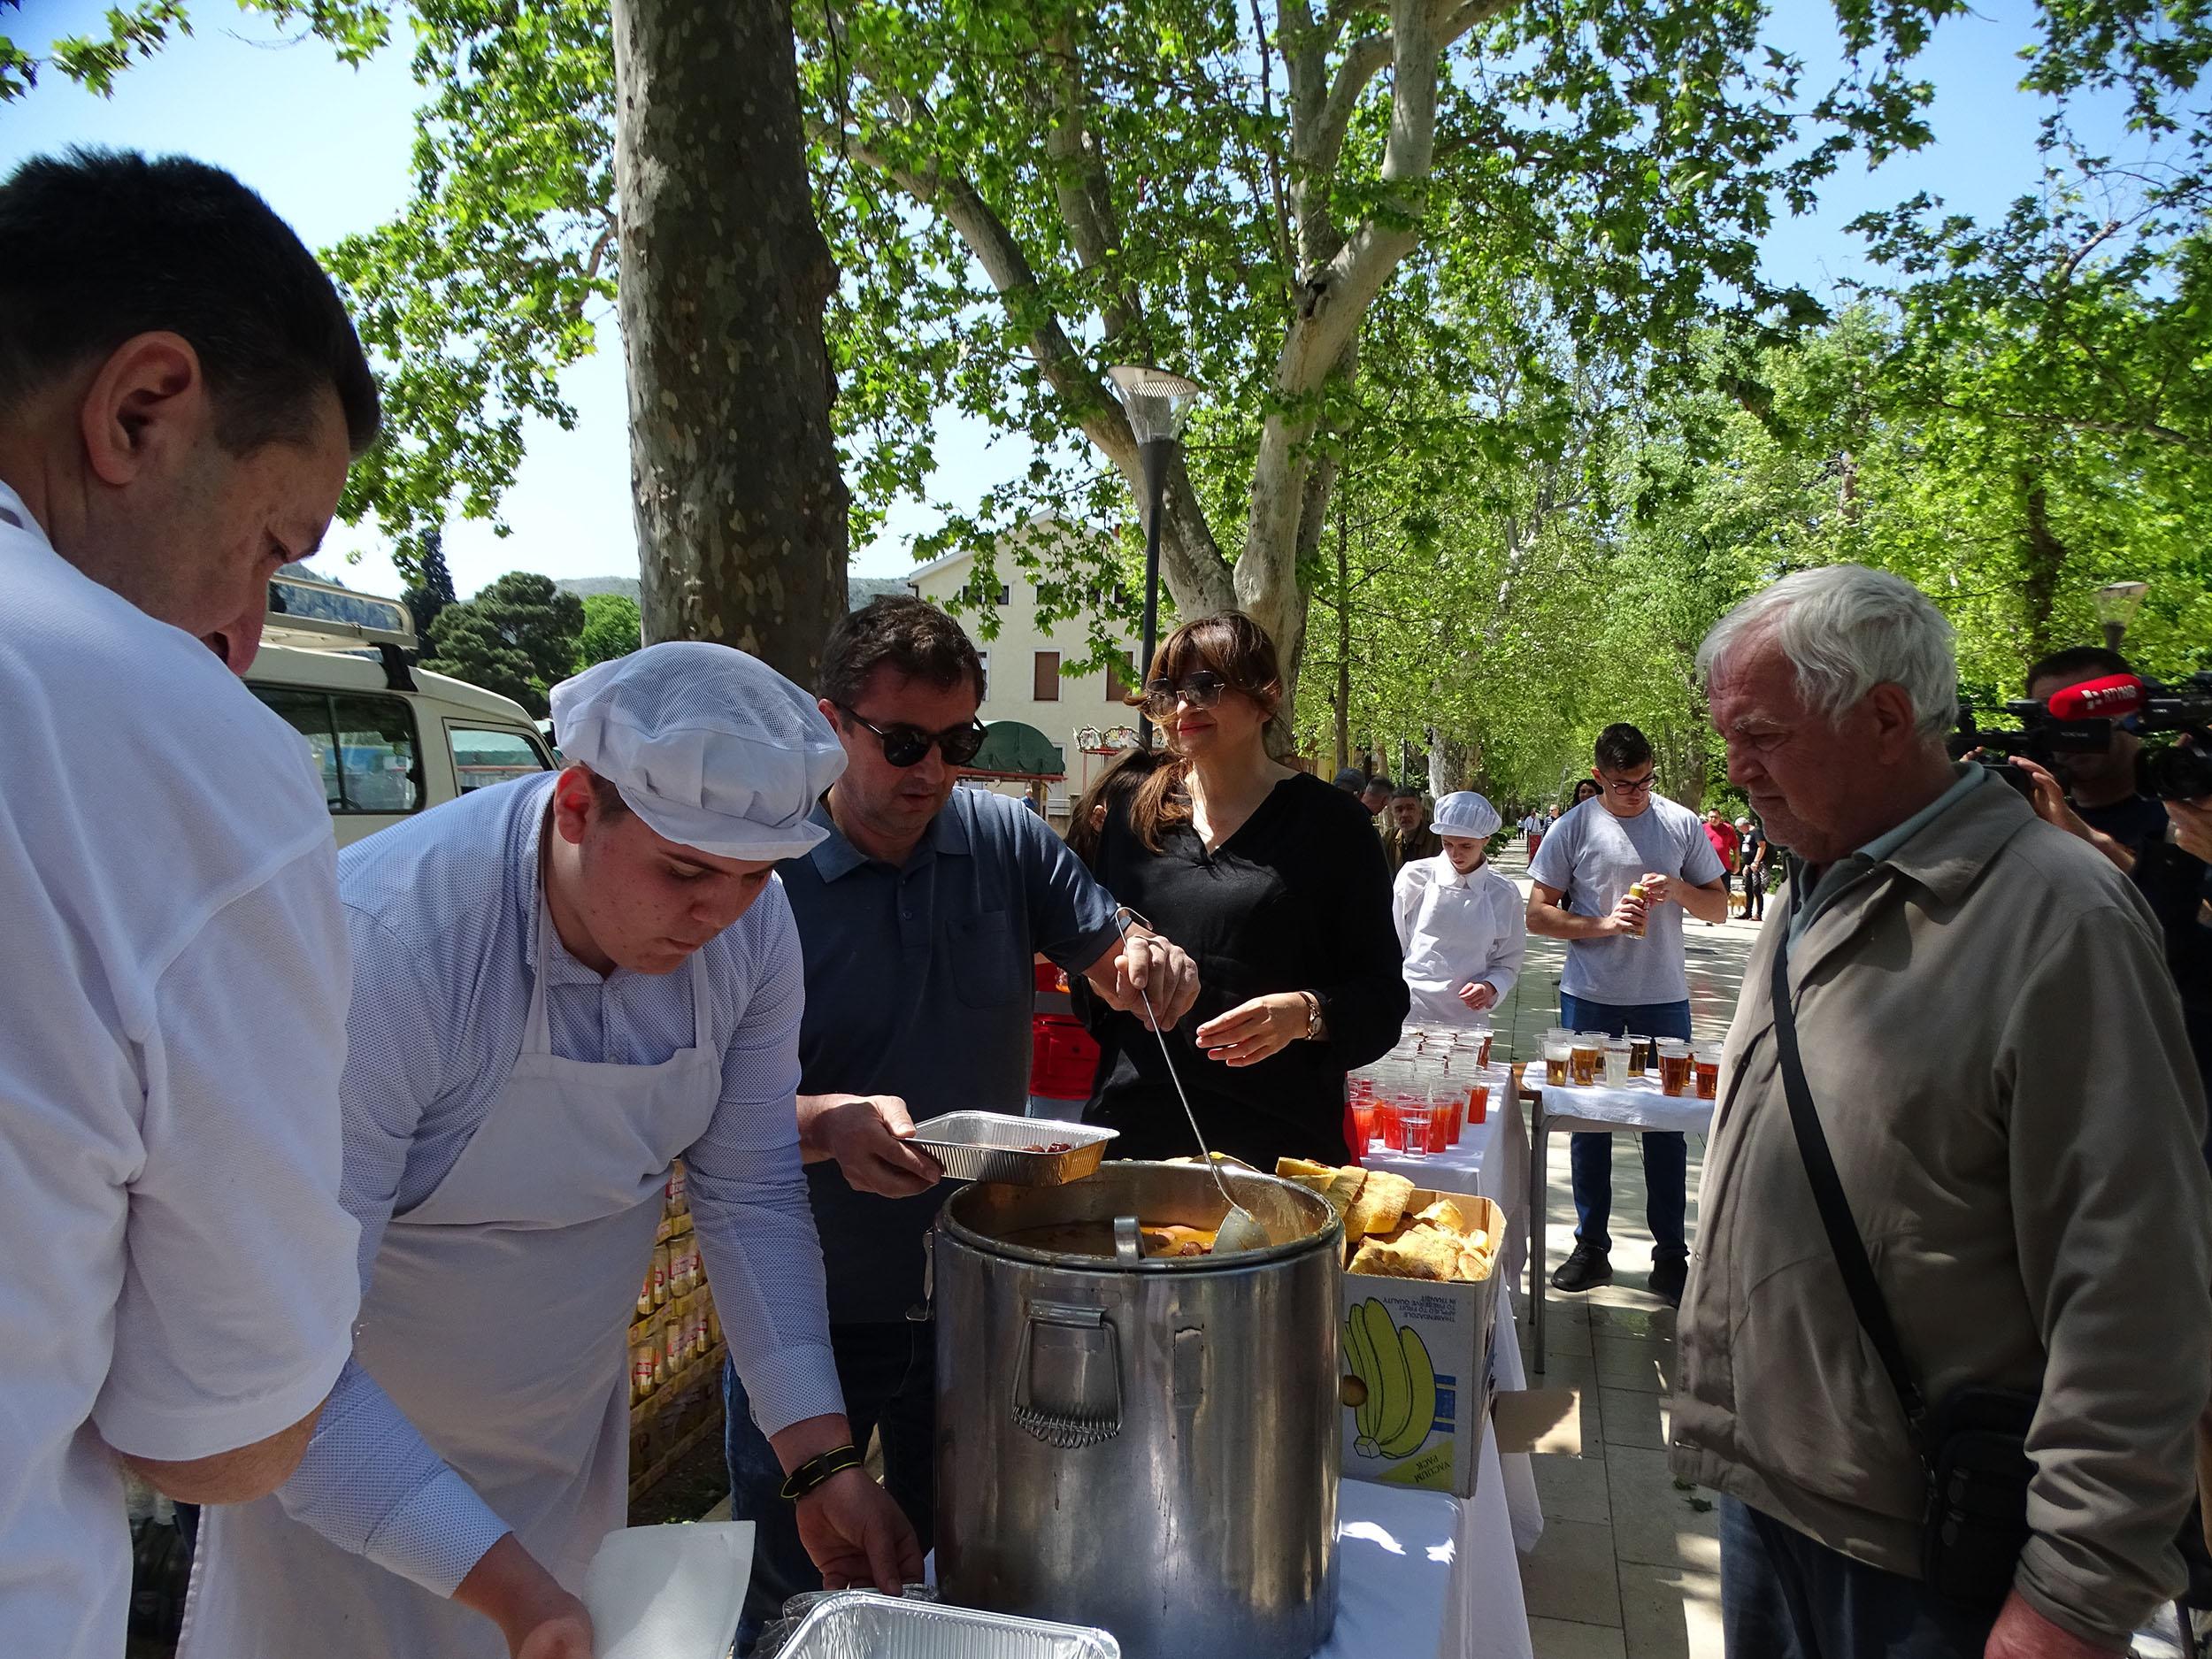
(815, 1470)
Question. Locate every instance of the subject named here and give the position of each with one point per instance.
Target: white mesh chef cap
(713, 748)
(1464, 814)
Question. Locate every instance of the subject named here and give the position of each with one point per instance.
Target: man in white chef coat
(179, 394)
(561, 985)
(1462, 924)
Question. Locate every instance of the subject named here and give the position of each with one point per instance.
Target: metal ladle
(1239, 1228)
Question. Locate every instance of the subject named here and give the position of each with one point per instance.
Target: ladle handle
(1167, 1058)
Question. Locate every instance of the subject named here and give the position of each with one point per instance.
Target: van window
(489, 755)
(364, 747)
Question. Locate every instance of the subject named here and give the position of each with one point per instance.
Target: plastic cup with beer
(1705, 1067)
(1674, 1066)
(1558, 1053)
(1583, 1056)
(1641, 1058)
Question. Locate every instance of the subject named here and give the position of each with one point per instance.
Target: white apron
(1449, 940)
(496, 1322)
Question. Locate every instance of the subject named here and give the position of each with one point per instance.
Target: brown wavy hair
(1121, 780)
(1237, 648)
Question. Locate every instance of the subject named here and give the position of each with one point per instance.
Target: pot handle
(1068, 1429)
(923, 1311)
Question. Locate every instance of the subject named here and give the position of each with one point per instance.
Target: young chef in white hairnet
(1461, 923)
(560, 985)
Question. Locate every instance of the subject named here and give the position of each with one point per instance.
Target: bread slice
(1305, 1170)
(1382, 1205)
(1418, 1253)
(1444, 1214)
(1344, 1190)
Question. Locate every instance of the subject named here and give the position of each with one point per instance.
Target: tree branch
(1190, 558)
(1079, 185)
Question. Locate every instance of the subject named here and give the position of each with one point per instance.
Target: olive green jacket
(1997, 1055)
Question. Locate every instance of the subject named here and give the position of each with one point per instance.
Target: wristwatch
(1314, 1029)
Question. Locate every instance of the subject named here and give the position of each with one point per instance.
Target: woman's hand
(1479, 995)
(1250, 1032)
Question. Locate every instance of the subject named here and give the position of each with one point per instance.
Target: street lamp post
(2116, 605)
(1158, 404)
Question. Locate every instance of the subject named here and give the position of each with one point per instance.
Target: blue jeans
(1785, 1596)
(1666, 1157)
(888, 1375)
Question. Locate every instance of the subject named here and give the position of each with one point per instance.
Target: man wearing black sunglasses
(919, 917)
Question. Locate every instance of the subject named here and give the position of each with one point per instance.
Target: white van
(391, 738)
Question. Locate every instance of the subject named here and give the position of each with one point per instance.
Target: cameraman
(2104, 790)
(2164, 846)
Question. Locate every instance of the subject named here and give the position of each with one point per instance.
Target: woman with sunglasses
(1274, 882)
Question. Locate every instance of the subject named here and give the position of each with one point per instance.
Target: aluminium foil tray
(974, 1146)
(861, 1624)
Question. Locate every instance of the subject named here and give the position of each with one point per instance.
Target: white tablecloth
(1424, 1572)
(1639, 1105)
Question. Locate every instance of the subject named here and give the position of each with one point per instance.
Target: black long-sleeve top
(1297, 900)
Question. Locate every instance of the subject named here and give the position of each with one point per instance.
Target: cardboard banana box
(1416, 1384)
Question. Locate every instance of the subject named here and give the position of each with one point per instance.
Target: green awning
(1012, 749)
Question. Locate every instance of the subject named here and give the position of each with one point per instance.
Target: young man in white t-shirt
(1625, 972)
(180, 394)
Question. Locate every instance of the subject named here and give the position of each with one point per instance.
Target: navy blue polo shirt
(919, 983)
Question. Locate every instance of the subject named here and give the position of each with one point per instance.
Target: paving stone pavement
(1629, 1564)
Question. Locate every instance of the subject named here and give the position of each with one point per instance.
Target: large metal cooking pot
(1151, 1448)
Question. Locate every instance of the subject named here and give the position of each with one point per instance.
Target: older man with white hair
(1955, 1234)
(560, 986)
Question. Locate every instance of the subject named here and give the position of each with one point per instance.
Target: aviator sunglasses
(1200, 690)
(905, 745)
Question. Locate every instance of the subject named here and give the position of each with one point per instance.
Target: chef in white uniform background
(560, 985)
(1461, 926)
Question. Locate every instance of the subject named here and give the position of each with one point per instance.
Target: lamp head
(1158, 402)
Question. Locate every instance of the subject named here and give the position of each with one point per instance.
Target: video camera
(2039, 737)
(2079, 721)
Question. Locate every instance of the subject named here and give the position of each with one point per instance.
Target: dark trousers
(887, 1373)
(1754, 893)
(1666, 1157)
(1783, 1596)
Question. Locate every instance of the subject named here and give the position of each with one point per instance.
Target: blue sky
(328, 147)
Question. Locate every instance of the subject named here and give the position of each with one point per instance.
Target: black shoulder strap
(1835, 1209)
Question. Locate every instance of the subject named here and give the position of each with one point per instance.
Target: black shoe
(1667, 1279)
(1586, 1270)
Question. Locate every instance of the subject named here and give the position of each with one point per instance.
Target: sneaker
(1586, 1270)
(1667, 1279)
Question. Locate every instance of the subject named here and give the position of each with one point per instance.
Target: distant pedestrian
(1724, 841)
(1533, 832)
(1585, 787)
(1408, 836)
(1351, 780)
(1375, 797)
(1751, 859)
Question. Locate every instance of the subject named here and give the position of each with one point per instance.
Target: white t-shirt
(176, 1275)
(1594, 858)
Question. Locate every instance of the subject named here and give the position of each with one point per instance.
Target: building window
(984, 658)
(972, 594)
(1116, 691)
(1046, 688)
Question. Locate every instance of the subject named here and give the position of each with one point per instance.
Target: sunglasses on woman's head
(905, 745)
(1201, 690)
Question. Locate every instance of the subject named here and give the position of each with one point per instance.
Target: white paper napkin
(669, 1592)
